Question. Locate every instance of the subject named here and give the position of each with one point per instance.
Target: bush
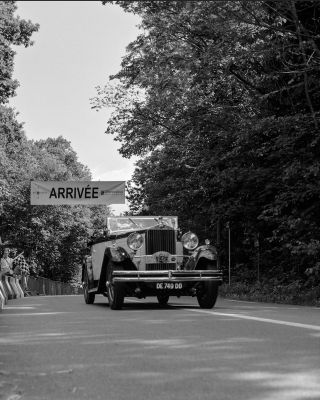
(294, 293)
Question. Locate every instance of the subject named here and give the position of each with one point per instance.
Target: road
(60, 348)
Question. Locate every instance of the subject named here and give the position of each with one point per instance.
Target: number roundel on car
(135, 241)
(190, 240)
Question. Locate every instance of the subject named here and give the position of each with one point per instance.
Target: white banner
(77, 192)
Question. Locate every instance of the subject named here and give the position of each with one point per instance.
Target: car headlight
(190, 241)
(135, 241)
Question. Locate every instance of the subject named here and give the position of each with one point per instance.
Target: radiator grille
(160, 267)
(160, 240)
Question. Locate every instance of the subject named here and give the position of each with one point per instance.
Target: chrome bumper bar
(167, 276)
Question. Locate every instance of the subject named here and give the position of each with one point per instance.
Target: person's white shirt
(6, 264)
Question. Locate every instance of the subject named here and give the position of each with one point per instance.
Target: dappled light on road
(69, 350)
(283, 386)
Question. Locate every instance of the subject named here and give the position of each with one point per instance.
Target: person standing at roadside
(6, 263)
(21, 268)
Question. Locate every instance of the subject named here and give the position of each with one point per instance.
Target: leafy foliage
(53, 237)
(13, 31)
(226, 124)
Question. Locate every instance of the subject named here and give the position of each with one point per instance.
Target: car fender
(115, 256)
(201, 257)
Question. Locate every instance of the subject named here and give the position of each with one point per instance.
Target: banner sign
(77, 192)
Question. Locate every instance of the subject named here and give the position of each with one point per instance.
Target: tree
(55, 237)
(226, 123)
(13, 31)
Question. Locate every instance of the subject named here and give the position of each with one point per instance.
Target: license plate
(168, 285)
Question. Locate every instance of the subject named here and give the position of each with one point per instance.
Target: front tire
(115, 292)
(88, 297)
(207, 295)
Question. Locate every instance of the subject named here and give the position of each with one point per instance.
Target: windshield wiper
(131, 220)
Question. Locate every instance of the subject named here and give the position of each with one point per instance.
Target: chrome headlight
(135, 241)
(190, 241)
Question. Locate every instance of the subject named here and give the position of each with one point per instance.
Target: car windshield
(116, 224)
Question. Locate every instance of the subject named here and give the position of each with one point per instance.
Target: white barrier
(7, 287)
(21, 293)
(13, 286)
(2, 299)
(3, 293)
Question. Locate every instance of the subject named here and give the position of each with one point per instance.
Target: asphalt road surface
(60, 348)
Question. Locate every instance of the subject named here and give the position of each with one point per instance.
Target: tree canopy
(13, 31)
(220, 100)
(53, 237)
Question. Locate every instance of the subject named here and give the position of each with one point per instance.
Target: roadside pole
(257, 247)
(218, 243)
(229, 250)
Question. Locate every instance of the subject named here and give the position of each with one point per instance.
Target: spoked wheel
(88, 297)
(207, 295)
(163, 299)
(115, 292)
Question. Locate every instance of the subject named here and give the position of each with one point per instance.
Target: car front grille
(160, 240)
(160, 267)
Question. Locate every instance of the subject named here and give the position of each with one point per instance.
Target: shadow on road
(153, 305)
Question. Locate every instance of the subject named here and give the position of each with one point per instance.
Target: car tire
(163, 299)
(208, 293)
(88, 297)
(115, 291)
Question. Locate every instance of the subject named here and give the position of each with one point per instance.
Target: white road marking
(61, 295)
(133, 301)
(249, 317)
(9, 307)
(35, 314)
(268, 320)
(261, 304)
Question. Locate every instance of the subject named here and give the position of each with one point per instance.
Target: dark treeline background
(220, 101)
(53, 237)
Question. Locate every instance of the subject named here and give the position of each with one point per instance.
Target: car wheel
(115, 292)
(207, 294)
(163, 299)
(88, 297)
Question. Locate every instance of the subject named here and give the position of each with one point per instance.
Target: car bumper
(168, 276)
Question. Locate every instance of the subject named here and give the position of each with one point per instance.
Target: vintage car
(149, 256)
